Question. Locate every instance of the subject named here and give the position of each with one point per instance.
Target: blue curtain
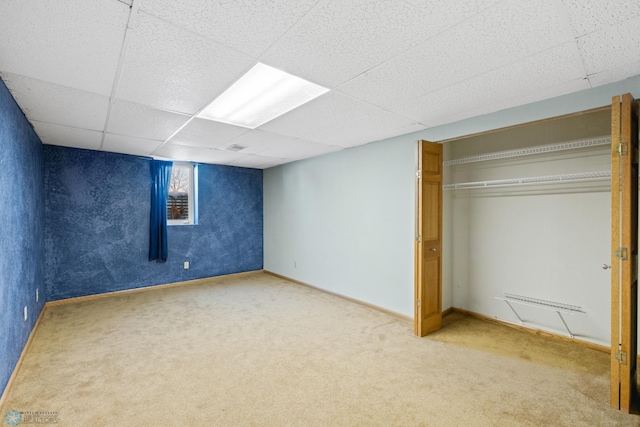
(160, 179)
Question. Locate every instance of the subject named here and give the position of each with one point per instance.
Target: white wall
(347, 219)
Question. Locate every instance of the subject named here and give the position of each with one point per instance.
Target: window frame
(192, 204)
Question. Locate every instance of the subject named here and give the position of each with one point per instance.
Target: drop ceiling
(130, 76)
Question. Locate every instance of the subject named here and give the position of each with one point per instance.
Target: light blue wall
(21, 232)
(344, 222)
(97, 224)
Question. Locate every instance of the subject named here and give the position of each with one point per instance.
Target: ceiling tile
(300, 149)
(327, 111)
(503, 34)
(47, 102)
(380, 135)
(207, 134)
(544, 70)
(73, 43)
(587, 16)
(615, 74)
(379, 125)
(258, 141)
(275, 163)
(67, 136)
(258, 162)
(506, 103)
(539, 94)
(391, 132)
(129, 145)
(196, 154)
(172, 69)
(265, 21)
(612, 47)
(143, 122)
(338, 40)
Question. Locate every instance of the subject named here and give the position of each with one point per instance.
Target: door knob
(433, 249)
(605, 266)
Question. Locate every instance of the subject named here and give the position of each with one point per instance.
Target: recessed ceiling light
(259, 96)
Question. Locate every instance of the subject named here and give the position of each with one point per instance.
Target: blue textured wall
(21, 232)
(97, 224)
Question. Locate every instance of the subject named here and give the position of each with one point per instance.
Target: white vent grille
(235, 147)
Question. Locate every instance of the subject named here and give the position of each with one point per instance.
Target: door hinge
(622, 149)
(417, 303)
(418, 174)
(418, 238)
(621, 357)
(622, 254)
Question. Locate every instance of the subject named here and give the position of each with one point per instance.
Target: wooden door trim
(615, 243)
(417, 268)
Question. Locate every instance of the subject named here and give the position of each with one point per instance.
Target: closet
(527, 224)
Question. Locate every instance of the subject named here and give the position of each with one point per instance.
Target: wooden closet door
(428, 268)
(624, 248)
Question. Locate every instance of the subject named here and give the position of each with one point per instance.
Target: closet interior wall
(543, 241)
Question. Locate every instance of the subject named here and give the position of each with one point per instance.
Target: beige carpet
(261, 351)
(504, 340)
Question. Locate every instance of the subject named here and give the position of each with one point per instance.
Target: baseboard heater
(558, 307)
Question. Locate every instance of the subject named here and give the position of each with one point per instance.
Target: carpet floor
(258, 350)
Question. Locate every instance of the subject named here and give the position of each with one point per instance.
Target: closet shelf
(571, 145)
(549, 179)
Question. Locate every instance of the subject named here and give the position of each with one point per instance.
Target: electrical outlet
(186, 265)
(37, 296)
(25, 313)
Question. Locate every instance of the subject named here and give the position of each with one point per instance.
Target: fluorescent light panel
(259, 96)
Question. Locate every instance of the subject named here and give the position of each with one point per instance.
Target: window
(181, 201)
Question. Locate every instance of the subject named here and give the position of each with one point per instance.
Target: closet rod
(549, 179)
(581, 143)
